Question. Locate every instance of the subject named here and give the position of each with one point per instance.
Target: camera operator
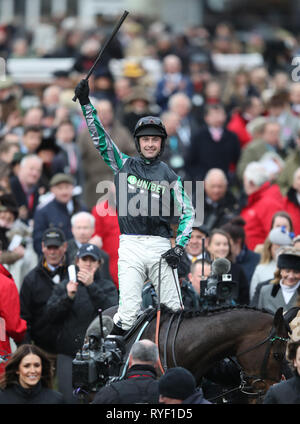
(140, 384)
(72, 306)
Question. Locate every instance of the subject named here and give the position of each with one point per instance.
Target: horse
(196, 340)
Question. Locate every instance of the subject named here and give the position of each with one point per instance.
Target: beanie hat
(289, 258)
(177, 383)
(280, 236)
(8, 203)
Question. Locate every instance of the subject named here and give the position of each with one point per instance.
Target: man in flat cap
(58, 211)
(37, 288)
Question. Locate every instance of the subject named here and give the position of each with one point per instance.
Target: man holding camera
(72, 307)
(141, 182)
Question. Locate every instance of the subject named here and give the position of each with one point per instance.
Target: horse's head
(271, 366)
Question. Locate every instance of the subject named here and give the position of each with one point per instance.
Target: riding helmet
(150, 125)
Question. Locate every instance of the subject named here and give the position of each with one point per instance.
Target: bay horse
(197, 340)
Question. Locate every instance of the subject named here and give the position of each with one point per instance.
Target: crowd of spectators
(238, 131)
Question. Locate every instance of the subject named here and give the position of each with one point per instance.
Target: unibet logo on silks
(144, 184)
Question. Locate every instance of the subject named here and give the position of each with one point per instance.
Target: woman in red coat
(11, 324)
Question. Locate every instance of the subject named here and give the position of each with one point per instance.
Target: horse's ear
(278, 317)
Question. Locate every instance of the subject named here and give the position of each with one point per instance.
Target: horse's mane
(189, 313)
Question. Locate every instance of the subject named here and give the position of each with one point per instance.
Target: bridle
(249, 382)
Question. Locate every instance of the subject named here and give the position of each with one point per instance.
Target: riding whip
(107, 42)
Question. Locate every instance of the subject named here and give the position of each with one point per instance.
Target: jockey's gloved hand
(82, 92)
(173, 256)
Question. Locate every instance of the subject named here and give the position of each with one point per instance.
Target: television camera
(98, 362)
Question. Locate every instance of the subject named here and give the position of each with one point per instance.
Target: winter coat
(219, 213)
(21, 197)
(73, 316)
(259, 211)
(196, 398)
(248, 260)
(205, 153)
(286, 176)
(291, 206)
(139, 386)
(15, 327)
(53, 214)
(285, 392)
(38, 394)
(237, 124)
(36, 289)
(262, 273)
(107, 227)
(271, 298)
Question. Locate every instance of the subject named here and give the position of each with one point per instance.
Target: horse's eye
(278, 356)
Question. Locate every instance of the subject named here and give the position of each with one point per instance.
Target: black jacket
(37, 395)
(36, 289)
(219, 213)
(73, 316)
(285, 392)
(196, 398)
(206, 154)
(139, 386)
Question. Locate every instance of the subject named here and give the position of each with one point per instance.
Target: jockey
(146, 192)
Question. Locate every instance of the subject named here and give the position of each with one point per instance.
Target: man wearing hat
(73, 305)
(38, 285)
(57, 212)
(283, 290)
(178, 386)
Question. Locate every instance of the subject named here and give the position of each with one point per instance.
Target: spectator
(178, 386)
(219, 246)
(250, 109)
(25, 186)
(68, 158)
(173, 81)
(140, 384)
(291, 202)
(284, 288)
(17, 254)
(83, 228)
(123, 90)
(190, 290)
(96, 170)
(181, 104)
(295, 98)
(193, 250)
(31, 139)
(277, 238)
(47, 151)
(56, 212)
(213, 146)
(291, 164)
(107, 228)
(72, 306)
(254, 151)
(278, 109)
(28, 378)
(137, 105)
(11, 324)
(243, 256)
(220, 205)
(287, 392)
(37, 288)
(8, 150)
(263, 200)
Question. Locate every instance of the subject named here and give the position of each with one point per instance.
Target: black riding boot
(117, 331)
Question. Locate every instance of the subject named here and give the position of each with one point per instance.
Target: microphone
(221, 266)
(95, 330)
